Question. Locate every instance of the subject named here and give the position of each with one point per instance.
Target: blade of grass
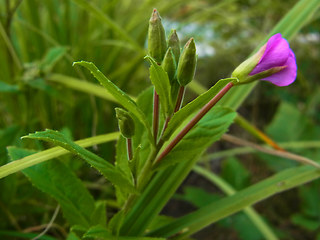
(51, 153)
(193, 222)
(258, 221)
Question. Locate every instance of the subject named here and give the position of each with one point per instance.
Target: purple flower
(277, 53)
(274, 62)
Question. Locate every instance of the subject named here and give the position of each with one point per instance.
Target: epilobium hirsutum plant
(151, 164)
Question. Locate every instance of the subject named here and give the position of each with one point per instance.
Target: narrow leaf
(113, 174)
(196, 104)
(51, 153)
(117, 93)
(215, 211)
(160, 80)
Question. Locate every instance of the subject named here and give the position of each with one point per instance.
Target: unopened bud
(125, 122)
(169, 65)
(174, 43)
(187, 63)
(157, 44)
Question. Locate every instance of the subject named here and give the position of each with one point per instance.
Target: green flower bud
(169, 65)
(125, 122)
(157, 45)
(187, 63)
(174, 43)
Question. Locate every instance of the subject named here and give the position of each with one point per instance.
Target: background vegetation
(40, 89)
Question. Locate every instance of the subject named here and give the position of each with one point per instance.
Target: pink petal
(275, 55)
(287, 75)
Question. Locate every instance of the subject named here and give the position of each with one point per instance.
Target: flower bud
(169, 65)
(174, 43)
(125, 123)
(187, 63)
(274, 62)
(157, 44)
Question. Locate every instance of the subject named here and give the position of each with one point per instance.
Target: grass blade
(51, 153)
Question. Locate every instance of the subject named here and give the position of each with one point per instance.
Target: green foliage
(208, 130)
(38, 42)
(116, 92)
(55, 179)
(116, 176)
(193, 106)
(160, 80)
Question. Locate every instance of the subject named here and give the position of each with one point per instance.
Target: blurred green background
(40, 89)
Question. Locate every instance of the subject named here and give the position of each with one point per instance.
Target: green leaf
(57, 180)
(52, 57)
(99, 216)
(113, 174)
(235, 173)
(227, 206)
(117, 93)
(51, 153)
(21, 235)
(4, 87)
(195, 105)
(209, 129)
(165, 183)
(160, 80)
(72, 236)
(101, 233)
(258, 222)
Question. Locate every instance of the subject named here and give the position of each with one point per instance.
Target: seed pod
(187, 63)
(174, 43)
(169, 65)
(157, 45)
(125, 123)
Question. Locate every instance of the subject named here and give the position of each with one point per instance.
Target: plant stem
(194, 121)
(155, 122)
(129, 148)
(176, 109)
(179, 98)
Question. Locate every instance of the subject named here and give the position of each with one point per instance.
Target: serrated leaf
(57, 180)
(195, 105)
(45, 155)
(114, 175)
(117, 93)
(160, 80)
(208, 130)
